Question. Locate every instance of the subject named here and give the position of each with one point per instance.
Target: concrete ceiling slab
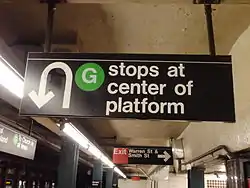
(147, 129)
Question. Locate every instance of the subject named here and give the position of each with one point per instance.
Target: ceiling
(128, 27)
(136, 132)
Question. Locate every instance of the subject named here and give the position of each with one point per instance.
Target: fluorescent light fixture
(95, 151)
(117, 170)
(76, 135)
(107, 162)
(10, 78)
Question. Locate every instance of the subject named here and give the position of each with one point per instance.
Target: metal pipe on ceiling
(210, 152)
(156, 169)
(215, 172)
(143, 171)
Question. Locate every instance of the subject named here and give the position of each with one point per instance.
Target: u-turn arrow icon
(41, 98)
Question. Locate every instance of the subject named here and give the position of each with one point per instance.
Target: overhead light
(10, 78)
(107, 162)
(76, 135)
(95, 151)
(117, 170)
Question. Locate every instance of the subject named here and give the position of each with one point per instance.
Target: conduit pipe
(211, 152)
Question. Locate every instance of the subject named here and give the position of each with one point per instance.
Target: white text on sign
(142, 87)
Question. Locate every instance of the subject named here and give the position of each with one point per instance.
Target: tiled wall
(216, 184)
(213, 181)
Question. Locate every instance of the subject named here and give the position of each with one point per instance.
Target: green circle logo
(89, 77)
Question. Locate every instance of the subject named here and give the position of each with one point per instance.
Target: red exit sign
(120, 155)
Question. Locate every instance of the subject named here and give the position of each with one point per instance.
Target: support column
(196, 178)
(235, 173)
(210, 29)
(154, 184)
(109, 178)
(67, 170)
(115, 180)
(97, 174)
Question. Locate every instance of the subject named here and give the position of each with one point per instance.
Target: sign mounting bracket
(49, 27)
(210, 29)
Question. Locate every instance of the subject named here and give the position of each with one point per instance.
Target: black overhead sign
(143, 155)
(170, 87)
(17, 143)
